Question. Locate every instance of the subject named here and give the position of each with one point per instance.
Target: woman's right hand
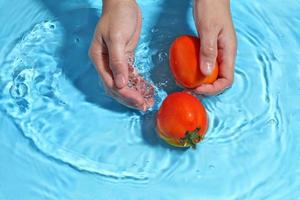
(115, 39)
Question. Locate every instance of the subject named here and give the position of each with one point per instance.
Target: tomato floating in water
(182, 120)
(185, 64)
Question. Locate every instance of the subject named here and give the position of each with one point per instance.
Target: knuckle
(116, 65)
(209, 28)
(94, 50)
(205, 27)
(232, 43)
(208, 49)
(197, 92)
(91, 52)
(116, 37)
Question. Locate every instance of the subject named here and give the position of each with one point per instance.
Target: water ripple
(52, 92)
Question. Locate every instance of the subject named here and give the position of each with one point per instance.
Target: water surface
(61, 137)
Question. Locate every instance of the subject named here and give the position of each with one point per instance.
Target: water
(62, 138)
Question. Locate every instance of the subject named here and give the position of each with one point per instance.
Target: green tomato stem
(191, 138)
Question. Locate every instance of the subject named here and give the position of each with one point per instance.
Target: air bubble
(52, 26)
(77, 40)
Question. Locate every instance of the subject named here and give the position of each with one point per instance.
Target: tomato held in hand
(182, 120)
(185, 64)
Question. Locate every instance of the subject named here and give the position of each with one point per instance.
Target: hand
(115, 39)
(218, 43)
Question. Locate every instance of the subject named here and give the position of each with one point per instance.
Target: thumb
(118, 63)
(208, 52)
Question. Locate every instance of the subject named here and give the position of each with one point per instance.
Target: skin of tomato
(180, 112)
(184, 63)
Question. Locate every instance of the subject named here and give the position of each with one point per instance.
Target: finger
(100, 60)
(208, 51)
(125, 95)
(226, 72)
(213, 89)
(136, 35)
(226, 59)
(189, 91)
(118, 62)
(227, 55)
(130, 97)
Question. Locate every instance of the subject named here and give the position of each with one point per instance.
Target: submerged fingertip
(141, 107)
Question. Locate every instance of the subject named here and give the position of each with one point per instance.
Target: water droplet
(77, 40)
(154, 30)
(131, 60)
(162, 84)
(145, 48)
(161, 36)
(52, 26)
(162, 56)
(211, 167)
(18, 90)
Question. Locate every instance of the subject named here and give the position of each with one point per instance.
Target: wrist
(212, 1)
(108, 3)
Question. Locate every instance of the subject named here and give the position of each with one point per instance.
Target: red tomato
(184, 63)
(182, 120)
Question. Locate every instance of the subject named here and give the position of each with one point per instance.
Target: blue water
(62, 138)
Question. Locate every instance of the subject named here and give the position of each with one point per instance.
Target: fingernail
(120, 81)
(208, 68)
